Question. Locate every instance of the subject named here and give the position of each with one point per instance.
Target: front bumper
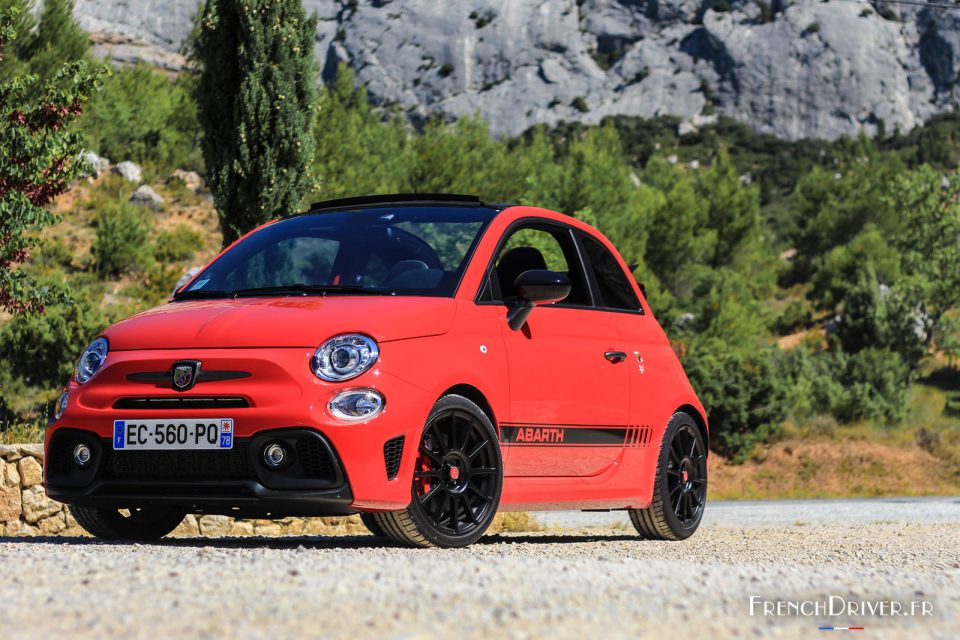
(223, 482)
(279, 390)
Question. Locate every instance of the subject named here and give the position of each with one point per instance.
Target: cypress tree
(255, 95)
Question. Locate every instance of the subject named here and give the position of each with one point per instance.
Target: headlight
(356, 404)
(344, 357)
(61, 405)
(91, 360)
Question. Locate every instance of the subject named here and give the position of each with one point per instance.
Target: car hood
(281, 322)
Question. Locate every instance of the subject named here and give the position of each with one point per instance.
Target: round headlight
(356, 404)
(344, 357)
(91, 360)
(61, 405)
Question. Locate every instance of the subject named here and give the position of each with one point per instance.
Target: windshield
(419, 251)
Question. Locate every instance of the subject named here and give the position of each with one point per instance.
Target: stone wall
(26, 511)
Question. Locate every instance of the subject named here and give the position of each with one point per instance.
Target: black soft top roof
(396, 198)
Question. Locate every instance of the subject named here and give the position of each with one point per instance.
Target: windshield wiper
(199, 295)
(308, 289)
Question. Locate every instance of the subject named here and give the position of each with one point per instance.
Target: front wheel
(370, 521)
(457, 480)
(142, 524)
(680, 488)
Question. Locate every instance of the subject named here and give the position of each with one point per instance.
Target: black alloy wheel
(687, 475)
(680, 486)
(456, 481)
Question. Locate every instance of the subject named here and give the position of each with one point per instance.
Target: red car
(424, 361)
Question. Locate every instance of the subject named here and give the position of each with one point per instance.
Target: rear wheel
(680, 488)
(146, 523)
(457, 481)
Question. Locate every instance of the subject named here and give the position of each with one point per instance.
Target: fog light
(356, 404)
(82, 455)
(274, 455)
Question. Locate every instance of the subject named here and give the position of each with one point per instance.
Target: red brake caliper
(423, 484)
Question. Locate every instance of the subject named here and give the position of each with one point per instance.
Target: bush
(176, 244)
(121, 239)
(876, 385)
(143, 116)
(796, 316)
(952, 405)
(742, 391)
(40, 352)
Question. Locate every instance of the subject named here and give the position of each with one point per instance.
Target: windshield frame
(184, 293)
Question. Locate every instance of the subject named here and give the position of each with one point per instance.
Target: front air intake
(392, 452)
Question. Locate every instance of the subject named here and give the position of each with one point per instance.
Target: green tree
(927, 239)
(358, 152)
(255, 92)
(832, 206)
(733, 209)
(38, 160)
(57, 40)
(679, 237)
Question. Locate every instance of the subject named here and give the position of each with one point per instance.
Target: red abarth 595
(423, 361)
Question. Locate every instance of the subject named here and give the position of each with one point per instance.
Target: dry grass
(515, 521)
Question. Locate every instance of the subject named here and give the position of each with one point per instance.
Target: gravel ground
(576, 584)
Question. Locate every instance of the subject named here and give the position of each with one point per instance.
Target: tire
(450, 508)
(147, 523)
(680, 488)
(373, 526)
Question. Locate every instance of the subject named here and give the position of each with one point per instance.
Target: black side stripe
(565, 435)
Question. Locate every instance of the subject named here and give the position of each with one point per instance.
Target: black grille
(392, 451)
(60, 455)
(181, 402)
(314, 458)
(224, 464)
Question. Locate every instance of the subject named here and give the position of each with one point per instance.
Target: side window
(614, 290)
(536, 247)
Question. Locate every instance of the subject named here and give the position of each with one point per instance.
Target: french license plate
(167, 435)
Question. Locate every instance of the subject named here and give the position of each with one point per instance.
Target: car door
(615, 296)
(568, 381)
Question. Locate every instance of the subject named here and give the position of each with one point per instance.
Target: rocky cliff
(800, 68)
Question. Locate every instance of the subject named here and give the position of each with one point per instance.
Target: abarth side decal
(572, 435)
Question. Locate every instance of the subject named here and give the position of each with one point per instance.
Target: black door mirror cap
(542, 286)
(536, 286)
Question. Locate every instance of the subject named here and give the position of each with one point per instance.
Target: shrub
(42, 350)
(742, 391)
(179, 243)
(797, 315)
(121, 239)
(928, 439)
(143, 116)
(876, 385)
(952, 405)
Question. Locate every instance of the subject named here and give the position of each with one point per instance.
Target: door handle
(615, 356)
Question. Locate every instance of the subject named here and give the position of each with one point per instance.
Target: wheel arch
(475, 396)
(698, 417)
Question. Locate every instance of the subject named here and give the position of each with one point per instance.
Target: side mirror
(536, 286)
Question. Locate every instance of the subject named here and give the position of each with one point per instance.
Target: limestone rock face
(800, 69)
(145, 195)
(130, 171)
